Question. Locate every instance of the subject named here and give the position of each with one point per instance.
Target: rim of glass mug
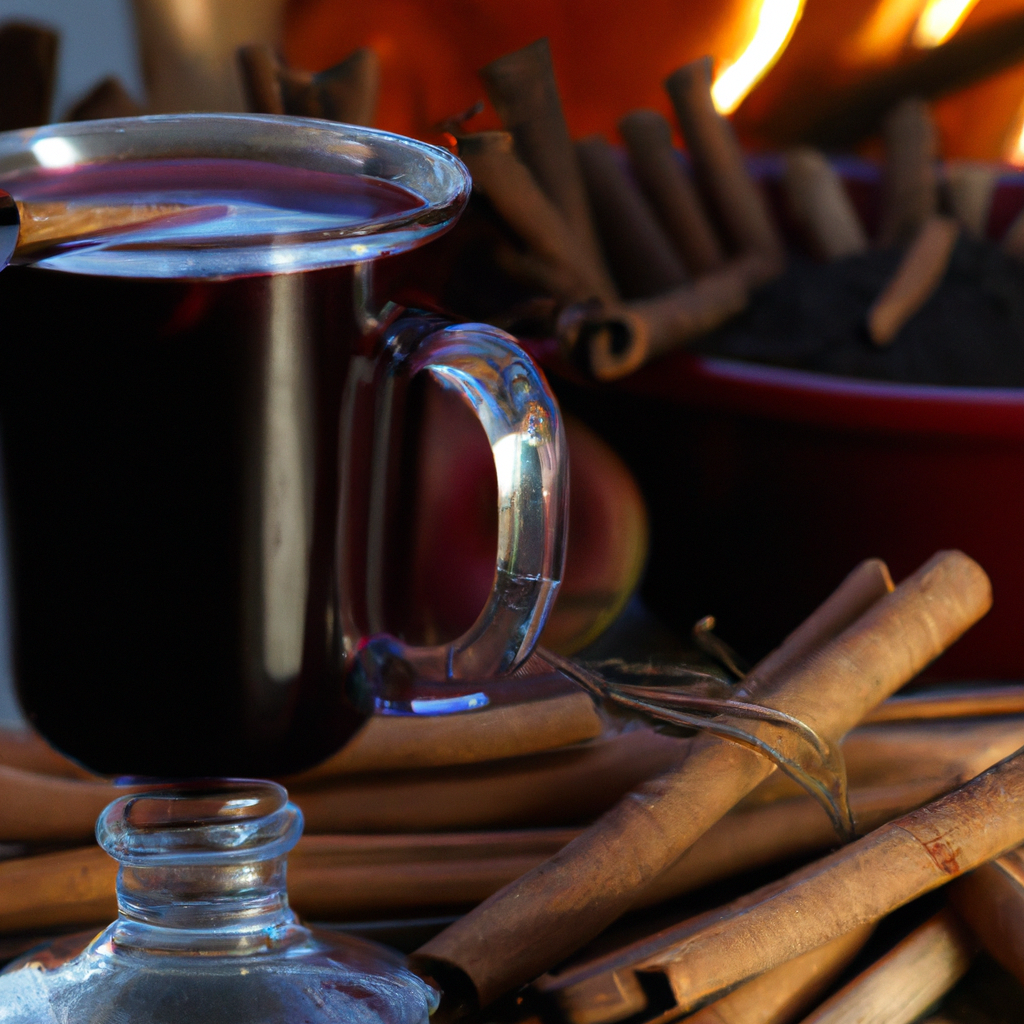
(433, 174)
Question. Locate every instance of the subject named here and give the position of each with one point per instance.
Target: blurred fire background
(774, 58)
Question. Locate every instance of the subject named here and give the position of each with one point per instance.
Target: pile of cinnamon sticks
(530, 829)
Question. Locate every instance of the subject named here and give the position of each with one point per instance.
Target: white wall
(97, 39)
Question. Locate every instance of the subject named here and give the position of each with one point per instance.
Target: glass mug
(204, 468)
(201, 430)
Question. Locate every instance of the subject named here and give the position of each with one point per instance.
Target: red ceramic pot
(766, 486)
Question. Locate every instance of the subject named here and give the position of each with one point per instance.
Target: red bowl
(766, 485)
(787, 479)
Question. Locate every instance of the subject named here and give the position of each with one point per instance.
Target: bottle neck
(201, 872)
(203, 908)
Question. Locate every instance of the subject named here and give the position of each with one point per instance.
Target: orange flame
(775, 25)
(884, 33)
(940, 20)
(894, 23)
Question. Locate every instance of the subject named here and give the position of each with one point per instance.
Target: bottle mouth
(214, 822)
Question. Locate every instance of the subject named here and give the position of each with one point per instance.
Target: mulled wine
(202, 453)
(170, 456)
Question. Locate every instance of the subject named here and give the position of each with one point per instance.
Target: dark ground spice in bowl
(969, 333)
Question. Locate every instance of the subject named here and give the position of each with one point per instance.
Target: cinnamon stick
(821, 207)
(394, 742)
(346, 92)
(910, 186)
(961, 701)
(862, 589)
(63, 890)
(28, 67)
(856, 885)
(904, 983)
(571, 272)
(755, 838)
(50, 223)
(329, 877)
(24, 748)
(968, 188)
(46, 228)
(860, 883)
(44, 809)
(721, 168)
(522, 87)
(990, 900)
(567, 716)
(261, 69)
(555, 788)
(1013, 240)
(919, 273)
(656, 164)
(109, 98)
(638, 252)
(616, 340)
(781, 995)
(888, 754)
(346, 876)
(548, 913)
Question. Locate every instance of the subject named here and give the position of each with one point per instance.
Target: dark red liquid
(134, 429)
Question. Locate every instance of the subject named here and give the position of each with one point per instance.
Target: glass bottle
(204, 933)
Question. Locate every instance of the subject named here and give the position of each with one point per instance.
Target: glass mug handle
(520, 417)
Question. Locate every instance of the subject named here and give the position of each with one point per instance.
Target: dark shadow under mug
(204, 470)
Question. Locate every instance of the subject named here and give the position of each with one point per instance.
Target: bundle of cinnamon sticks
(637, 261)
(532, 828)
